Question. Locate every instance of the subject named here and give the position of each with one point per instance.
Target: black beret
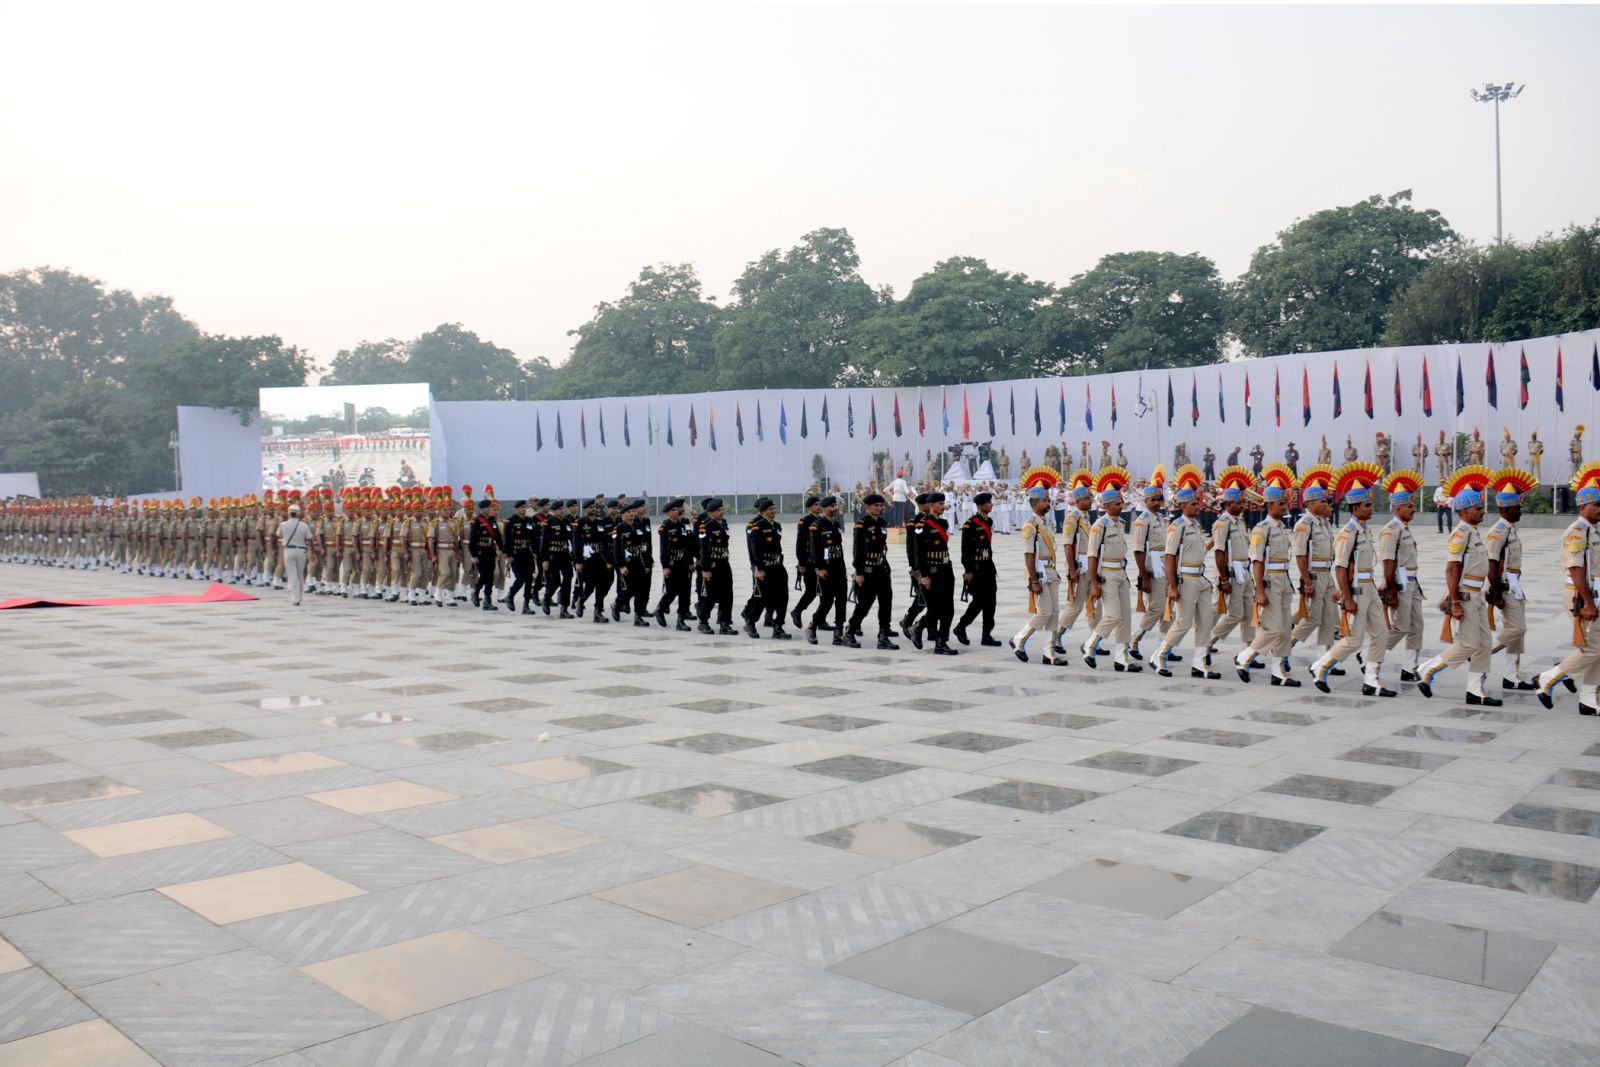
(520, 504)
(872, 498)
(828, 501)
(935, 498)
(983, 498)
(674, 504)
(587, 504)
(813, 498)
(712, 503)
(922, 498)
(483, 505)
(617, 503)
(542, 501)
(763, 503)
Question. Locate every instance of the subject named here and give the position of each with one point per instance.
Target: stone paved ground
(617, 846)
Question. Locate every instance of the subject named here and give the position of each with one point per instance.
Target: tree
(659, 338)
(459, 365)
(961, 321)
(795, 316)
(1328, 281)
(80, 440)
(1133, 310)
(369, 363)
(221, 372)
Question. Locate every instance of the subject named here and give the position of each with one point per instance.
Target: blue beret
(1183, 496)
(1358, 495)
(1313, 492)
(1109, 496)
(1508, 499)
(1468, 498)
(1588, 495)
(1038, 492)
(1082, 492)
(1272, 493)
(1232, 494)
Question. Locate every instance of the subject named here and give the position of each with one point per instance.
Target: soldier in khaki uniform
(1106, 579)
(1466, 576)
(1230, 544)
(1580, 558)
(1146, 540)
(1504, 543)
(446, 553)
(1189, 597)
(1353, 554)
(1043, 577)
(1075, 547)
(1397, 570)
(1271, 545)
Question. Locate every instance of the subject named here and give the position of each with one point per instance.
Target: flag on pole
(1427, 390)
(1490, 384)
(990, 410)
(738, 423)
(1088, 406)
(898, 429)
(805, 428)
(601, 408)
(1523, 374)
(711, 425)
(560, 440)
(649, 424)
(1594, 367)
(1366, 391)
(694, 431)
(966, 417)
(850, 415)
(627, 437)
(1038, 427)
(1461, 387)
(1171, 402)
(783, 423)
(872, 417)
(922, 420)
(1305, 394)
(1338, 394)
(1113, 405)
(944, 409)
(538, 433)
(1194, 399)
(583, 428)
(1397, 410)
(1247, 398)
(1277, 397)
(1062, 408)
(827, 428)
(761, 431)
(1222, 412)
(1561, 400)
(669, 425)
(1013, 393)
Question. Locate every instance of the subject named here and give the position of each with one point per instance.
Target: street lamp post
(1492, 93)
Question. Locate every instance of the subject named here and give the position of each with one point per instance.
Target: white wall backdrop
(617, 445)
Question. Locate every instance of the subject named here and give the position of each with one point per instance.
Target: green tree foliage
(84, 438)
(369, 363)
(1327, 282)
(795, 316)
(961, 321)
(459, 365)
(221, 372)
(1133, 310)
(659, 338)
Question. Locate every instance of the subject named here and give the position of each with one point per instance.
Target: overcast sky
(335, 172)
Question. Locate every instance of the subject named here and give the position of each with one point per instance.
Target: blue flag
(826, 429)
(850, 415)
(738, 422)
(602, 410)
(1038, 427)
(1088, 408)
(1062, 408)
(1594, 367)
(804, 432)
(1461, 389)
(783, 423)
(761, 433)
(627, 438)
(538, 434)
(669, 425)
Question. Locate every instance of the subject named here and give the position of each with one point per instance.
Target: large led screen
(341, 435)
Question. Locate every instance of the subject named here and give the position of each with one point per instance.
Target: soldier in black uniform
(802, 559)
(519, 535)
(827, 556)
(596, 559)
(483, 545)
(977, 566)
(874, 580)
(555, 556)
(635, 564)
(915, 607)
(935, 575)
(536, 521)
(678, 547)
(715, 570)
(769, 595)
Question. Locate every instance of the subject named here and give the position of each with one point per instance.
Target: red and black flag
(1338, 396)
(1305, 392)
(1490, 383)
(1523, 375)
(1366, 390)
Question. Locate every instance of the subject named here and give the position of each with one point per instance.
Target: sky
(338, 172)
(300, 403)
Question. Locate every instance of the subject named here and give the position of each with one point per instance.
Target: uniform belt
(1103, 562)
(1363, 576)
(1471, 583)
(1510, 570)
(419, 544)
(1278, 565)
(1191, 568)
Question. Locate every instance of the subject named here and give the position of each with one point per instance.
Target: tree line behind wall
(90, 378)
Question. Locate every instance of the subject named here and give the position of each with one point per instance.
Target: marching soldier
(769, 594)
(1313, 534)
(1075, 547)
(1146, 539)
(977, 567)
(716, 570)
(1106, 575)
(1466, 575)
(555, 555)
(519, 535)
(594, 541)
(1353, 556)
(1397, 559)
(909, 626)
(873, 578)
(936, 578)
(484, 546)
(1504, 544)
(827, 556)
(1231, 546)
(1271, 544)
(1580, 558)
(641, 564)
(1189, 596)
(448, 532)
(678, 547)
(1039, 560)
(802, 560)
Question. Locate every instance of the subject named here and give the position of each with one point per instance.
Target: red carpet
(217, 593)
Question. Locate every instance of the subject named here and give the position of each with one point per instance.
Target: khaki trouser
(1045, 611)
(1405, 619)
(1194, 610)
(421, 569)
(1240, 605)
(295, 564)
(1116, 608)
(395, 573)
(1513, 619)
(1322, 614)
(1274, 635)
(448, 571)
(1368, 633)
(1074, 595)
(1583, 664)
(1474, 640)
(1155, 603)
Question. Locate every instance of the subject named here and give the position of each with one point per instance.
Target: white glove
(1514, 583)
(1402, 577)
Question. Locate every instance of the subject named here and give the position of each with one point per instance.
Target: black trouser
(597, 579)
(485, 582)
(808, 590)
(559, 576)
(832, 597)
(522, 568)
(536, 585)
(717, 594)
(981, 590)
(940, 596)
(675, 582)
(769, 596)
(915, 607)
(1443, 517)
(633, 588)
(878, 587)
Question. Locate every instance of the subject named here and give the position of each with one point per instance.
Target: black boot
(705, 628)
(886, 643)
(565, 614)
(750, 629)
(780, 634)
(616, 612)
(989, 641)
(511, 605)
(811, 634)
(915, 634)
(600, 616)
(475, 598)
(641, 621)
(850, 640)
(942, 648)
(547, 606)
(838, 636)
(794, 617)
(661, 616)
(961, 635)
(726, 630)
(683, 624)
(527, 607)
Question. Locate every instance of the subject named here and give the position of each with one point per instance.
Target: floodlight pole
(1495, 94)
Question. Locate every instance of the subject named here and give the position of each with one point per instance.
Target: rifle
(966, 590)
(1446, 633)
(1092, 605)
(1139, 584)
(1303, 610)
